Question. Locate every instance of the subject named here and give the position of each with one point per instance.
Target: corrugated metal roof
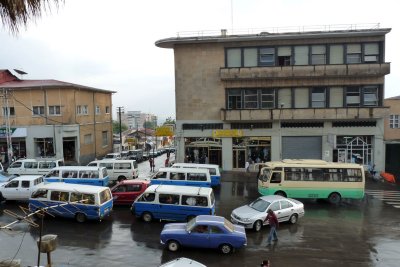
(26, 84)
(393, 98)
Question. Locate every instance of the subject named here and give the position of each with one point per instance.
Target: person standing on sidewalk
(274, 224)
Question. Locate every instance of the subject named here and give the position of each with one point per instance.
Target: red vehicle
(125, 192)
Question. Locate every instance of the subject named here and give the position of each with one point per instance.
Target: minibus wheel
(80, 217)
(147, 217)
(121, 178)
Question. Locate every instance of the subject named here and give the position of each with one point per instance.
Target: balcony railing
(314, 71)
(349, 113)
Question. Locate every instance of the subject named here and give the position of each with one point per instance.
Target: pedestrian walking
(247, 166)
(151, 164)
(274, 224)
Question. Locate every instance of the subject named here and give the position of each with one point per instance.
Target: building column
(227, 154)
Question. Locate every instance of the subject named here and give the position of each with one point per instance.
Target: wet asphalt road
(356, 233)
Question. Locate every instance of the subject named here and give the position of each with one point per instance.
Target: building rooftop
(393, 98)
(274, 33)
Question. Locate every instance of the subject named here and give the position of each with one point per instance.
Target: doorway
(69, 149)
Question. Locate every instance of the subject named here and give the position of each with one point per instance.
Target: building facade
(49, 118)
(268, 96)
(392, 136)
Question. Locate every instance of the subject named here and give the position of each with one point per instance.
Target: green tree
(149, 125)
(169, 120)
(15, 13)
(116, 127)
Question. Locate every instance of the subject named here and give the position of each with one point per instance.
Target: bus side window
(64, 196)
(88, 199)
(148, 197)
(276, 177)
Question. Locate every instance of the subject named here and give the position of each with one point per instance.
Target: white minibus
(118, 170)
(169, 202)
(82, 202)
(182, 176)
(212, 168)
(78, 175)
(33, 166)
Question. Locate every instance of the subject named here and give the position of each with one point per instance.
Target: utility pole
(120, 111)
(8, 125)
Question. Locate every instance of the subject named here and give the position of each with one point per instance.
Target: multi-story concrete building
(50, 118)
(272, 95)
(392, 136)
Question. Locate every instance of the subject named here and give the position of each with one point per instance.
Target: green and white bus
(318, 179)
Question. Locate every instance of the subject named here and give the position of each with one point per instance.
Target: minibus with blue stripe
(78, 175)
(80, 202)
(212, 168)
(182, 176)
(176, 203)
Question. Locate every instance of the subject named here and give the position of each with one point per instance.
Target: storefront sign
(227, 133)
(3, 131)
(164, 131)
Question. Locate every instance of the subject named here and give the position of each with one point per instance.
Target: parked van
(78, 175)
(182, 176)
(112, 156)
(82, 202)
(20, 188)
(178, 203)
(212, 168)
(118, 170)
(136, 154)
(33, 166)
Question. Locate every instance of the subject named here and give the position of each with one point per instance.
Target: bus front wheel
(334, 198)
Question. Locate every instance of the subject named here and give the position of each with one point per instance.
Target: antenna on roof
(20, 72)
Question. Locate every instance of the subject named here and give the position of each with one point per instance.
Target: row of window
(186, 200)
(303, 55)
(394, 121)
(55, 110)
(317, 97)
(65, 196)
(326, 175)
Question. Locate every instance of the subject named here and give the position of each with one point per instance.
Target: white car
(182, 262)
(253, 215)
(20, 188)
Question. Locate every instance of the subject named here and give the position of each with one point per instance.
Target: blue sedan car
(204, 231)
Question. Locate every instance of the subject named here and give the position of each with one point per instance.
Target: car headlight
(246, 219)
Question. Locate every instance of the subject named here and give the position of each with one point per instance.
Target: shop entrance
(69, 149)
(239, 158)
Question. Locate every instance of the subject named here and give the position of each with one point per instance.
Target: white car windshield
(259, 204)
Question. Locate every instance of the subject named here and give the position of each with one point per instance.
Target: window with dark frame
(370, 96)
(234, 99)
(318, 55)
(353, 97)
(8, 111)
(250, 99)
(353, 54)
(54, 110)
(394, 121)
(318, 98)
(38, 110)
(267, 56)
(267, 98)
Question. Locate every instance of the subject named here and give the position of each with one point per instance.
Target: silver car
(253, 215)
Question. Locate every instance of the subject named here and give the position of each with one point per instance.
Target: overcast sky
(110, 44)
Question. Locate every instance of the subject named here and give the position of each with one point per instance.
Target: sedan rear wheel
(257, 226)
(225, 248)
(293, 219)
(173, 245)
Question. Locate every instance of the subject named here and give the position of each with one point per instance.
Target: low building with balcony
(315, 94)
(50, 118)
